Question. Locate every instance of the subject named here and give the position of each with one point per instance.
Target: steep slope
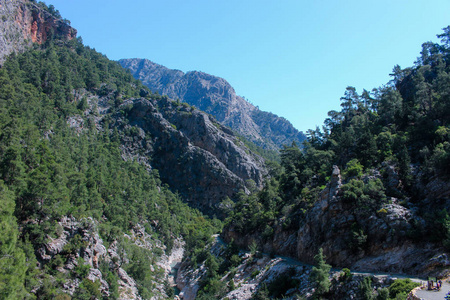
(90, 165)
(372, 190)
(26, 22)
(204, 161)
(215, 96)
(89, 160)
(194, 154)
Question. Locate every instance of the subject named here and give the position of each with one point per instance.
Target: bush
(88, 290)
(366, 289)
(358, 238)
(383, 294)
(319, 274)
(262, 293)
(401, 287)
(346, 275)
(365, 196)
(254, 273)
(353, 169)
(382, 211)
(82, 269)
(235, 260)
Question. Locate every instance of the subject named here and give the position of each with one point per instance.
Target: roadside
(434, 294)
(379, 278)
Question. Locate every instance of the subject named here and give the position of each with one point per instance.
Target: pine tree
(12, 258)
(319, 274)
(366, 289)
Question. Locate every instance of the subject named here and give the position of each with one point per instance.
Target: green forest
(48, 170)
(404, 124)
(51, 169)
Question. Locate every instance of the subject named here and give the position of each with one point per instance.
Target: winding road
(422, 294)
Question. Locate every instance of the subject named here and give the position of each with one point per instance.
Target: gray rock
(438, 188)
(329, 224)
(192, 152)
(215, 96)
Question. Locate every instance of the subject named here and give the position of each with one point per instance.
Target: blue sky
(290, 57)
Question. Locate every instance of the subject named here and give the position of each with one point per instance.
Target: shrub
(366, 289)
(254, 273)
(383, 294)
(358, 238)
(319, 274)
(253, 247)
(382, 211)
(235, 260)
(401, 287)
(88, 290)
(353, 169)
(82, 269)
(262, 293)
(346, 275)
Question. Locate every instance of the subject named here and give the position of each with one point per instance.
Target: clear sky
(290, 57)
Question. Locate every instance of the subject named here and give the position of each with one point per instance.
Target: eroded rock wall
(351, 237)
(332, 225)
(24, 23)
(194, 154)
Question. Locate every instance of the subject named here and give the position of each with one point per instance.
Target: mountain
(95, 170)
(201, 159)
(103, 184)
(372, 189)
(217, 97)
(25, 23)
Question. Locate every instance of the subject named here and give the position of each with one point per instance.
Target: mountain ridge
(94, 168)
(217, 97)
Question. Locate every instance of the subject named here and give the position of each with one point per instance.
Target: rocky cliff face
(259, 271)
(217, 97)
(80, 242)
(24, 23)
(384, 242)
(194, 154)
(370, 242)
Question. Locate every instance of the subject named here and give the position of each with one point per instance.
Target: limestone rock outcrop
(259, 271)
(24, 23)
(334, 226)
(202, 159)
(80, 242)
(368, 241)
(217, 97)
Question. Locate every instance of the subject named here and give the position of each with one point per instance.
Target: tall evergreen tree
(319, 275)
(12, 258)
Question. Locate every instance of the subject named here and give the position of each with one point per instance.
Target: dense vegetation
(49, 170)
(404, 125)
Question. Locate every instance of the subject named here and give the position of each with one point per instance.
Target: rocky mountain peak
(217, 97)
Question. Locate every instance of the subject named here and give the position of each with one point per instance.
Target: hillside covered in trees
(100, 181)
(377, 174)
(59, 157)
